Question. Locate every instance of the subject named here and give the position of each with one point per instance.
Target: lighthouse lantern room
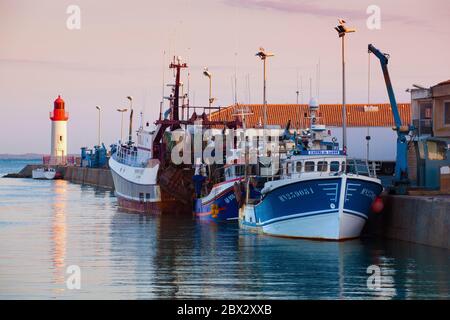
(59, 118)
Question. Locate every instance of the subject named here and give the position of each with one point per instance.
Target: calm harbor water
(46, 226)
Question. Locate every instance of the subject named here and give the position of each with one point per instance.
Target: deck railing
(131, 156)
(59, 160)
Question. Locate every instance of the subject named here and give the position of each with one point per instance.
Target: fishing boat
(43, 173)
(320, 193)
(135, 173)
(146, 180)
(222, 202)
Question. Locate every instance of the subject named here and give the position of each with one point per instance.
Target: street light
(208, 74)
(263, 55)
(342, 30)
(130, 129)
(99, 111)
(121, 123)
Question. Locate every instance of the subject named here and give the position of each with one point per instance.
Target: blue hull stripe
(305, 215)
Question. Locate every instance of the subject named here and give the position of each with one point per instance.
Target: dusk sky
(119, 52)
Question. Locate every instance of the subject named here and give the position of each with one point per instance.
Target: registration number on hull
(295, 194)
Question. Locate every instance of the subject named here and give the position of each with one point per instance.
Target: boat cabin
(298, 166)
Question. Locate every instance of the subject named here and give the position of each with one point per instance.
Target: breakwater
(94, 176)
(100, 177)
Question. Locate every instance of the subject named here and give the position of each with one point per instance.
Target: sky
(124, 47)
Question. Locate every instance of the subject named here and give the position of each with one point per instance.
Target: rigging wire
(368, 105)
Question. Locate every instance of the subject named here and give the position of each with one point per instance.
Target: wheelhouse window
(309, 166)
(298, 167)
(334, 166)
(289, 167)
(322, 166)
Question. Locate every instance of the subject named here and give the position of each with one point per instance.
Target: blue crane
(401, 179)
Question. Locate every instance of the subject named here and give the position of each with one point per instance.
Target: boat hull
(50, 175)
(220, 204)
(38, 174)
(134, 195)
(43, 174)
(330, 208)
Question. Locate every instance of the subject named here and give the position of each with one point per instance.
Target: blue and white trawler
(319, 192)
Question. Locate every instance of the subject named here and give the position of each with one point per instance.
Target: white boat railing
(131, 156)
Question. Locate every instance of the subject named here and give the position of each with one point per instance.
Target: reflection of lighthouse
(59, 119)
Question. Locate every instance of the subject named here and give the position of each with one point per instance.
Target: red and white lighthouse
(59, 118)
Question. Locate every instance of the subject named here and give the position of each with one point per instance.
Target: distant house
(375, 121)
(430, 158)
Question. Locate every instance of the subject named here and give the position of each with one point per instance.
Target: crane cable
(368, 102)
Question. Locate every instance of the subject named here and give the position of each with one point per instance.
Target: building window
(436, 150)
(60, 138)
(426, 118)
(447, 112)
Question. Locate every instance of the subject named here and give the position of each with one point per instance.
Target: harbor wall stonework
(94, 176)
(419, 219)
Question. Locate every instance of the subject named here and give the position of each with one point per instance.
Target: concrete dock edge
(419, 219)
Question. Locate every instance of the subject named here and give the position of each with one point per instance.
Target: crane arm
(384, 59)
(401, 179)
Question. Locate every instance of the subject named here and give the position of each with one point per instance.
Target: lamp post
(99, 112)
(130, 129)
(121, 122)
(263, 55)
(342, 30)
(208, 74)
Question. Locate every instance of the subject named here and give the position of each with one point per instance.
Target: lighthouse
(59, 118)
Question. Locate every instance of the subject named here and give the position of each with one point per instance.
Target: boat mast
(174, 115)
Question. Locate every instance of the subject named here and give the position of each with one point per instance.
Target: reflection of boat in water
(319, 193)
(279, 268)
(44, 173)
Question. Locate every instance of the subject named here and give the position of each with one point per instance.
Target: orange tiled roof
(330, 115)
(443, 83)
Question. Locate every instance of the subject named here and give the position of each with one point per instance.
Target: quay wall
(100, 177)
(419, 219)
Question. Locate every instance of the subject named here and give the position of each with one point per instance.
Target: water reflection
(58, 232)
(176, 257)
(49, 225)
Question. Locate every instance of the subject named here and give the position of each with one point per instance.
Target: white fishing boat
(135, 173)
